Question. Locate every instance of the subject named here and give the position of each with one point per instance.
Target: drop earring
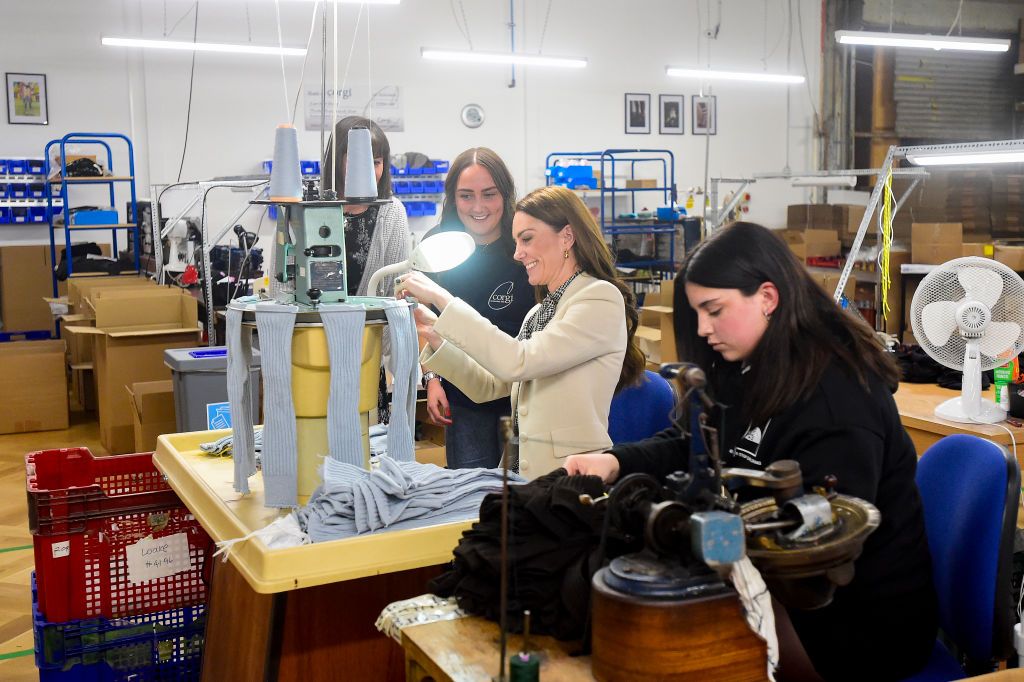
(565, 255)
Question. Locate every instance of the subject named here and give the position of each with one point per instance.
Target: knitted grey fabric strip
(275, 324)
(396, 495)
(239, 341)
(343, 325)
(404, 355)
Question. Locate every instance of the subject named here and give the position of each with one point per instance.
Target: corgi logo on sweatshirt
(501, 297)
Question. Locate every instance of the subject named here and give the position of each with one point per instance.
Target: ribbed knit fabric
(239, 342)
(275, 324)
(343, 325)
(404, 354)
(396, 495)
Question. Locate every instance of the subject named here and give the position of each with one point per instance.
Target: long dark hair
(489, 159)
(381, 149)
(558, 207)
(806, 331)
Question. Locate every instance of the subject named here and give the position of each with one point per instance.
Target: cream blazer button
(524, 466)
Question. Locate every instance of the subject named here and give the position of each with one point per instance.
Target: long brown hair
(558, 207)
(378, 142)
(489, 159)
(806, 331)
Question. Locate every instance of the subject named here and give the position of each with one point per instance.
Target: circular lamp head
(442, 251)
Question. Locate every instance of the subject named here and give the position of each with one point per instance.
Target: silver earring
(767, 315)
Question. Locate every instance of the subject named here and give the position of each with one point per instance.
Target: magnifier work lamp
(438, 253)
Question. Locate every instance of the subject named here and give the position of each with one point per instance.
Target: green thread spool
(524, 667)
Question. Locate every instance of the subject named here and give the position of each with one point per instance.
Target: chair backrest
(641, 411)
(970, 488)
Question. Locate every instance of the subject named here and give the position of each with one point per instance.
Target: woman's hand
(603, 464)
(424, 289)
(425, 319)
(438, 411)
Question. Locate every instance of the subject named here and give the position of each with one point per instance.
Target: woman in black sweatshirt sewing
(808, 381)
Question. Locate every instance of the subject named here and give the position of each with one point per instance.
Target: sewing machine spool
(804, 574)
(690, 632)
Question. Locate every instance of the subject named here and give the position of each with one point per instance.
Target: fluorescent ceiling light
(204, 47)
(707, 74)
(501, 58)
(926, 42)
(825, 181)
(967, 158)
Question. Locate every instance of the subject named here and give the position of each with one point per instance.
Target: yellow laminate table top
(205, 485)
(916, 404)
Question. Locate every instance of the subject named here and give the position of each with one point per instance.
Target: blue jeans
(472, 439)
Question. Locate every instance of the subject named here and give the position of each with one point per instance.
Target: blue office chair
(970, 488)
(641, 411)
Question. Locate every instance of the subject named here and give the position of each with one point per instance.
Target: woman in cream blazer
(575, 349)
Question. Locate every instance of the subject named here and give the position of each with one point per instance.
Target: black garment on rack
(554, 551)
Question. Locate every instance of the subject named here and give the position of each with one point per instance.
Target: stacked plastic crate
(22, 191)
(120, 586)
(419, 189)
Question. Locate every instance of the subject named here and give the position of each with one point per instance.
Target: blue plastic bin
(36, 190)
(17, 190)
(416, 187)
(97, 217)
(428, 208)
(37, 214)
(440, 166)
(17, 166)
(267, 165)
(400, 186)
(309, 167)
(36, 166)
(19, 214)
(3, 190)
(5, 215)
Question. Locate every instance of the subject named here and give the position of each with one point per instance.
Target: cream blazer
(561, 380)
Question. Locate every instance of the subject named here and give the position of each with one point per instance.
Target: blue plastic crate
(3, 166)
(19, 214)
(5, 215)
(416, 187)
(428, 208)
(309, 167)
(404, 170)
(17, 166)
(36, 190)
(94, 217)
(433, 186)
(440, 166)
(36, 166)
(400, 186)
(3, 190)
(268, 165)
(153, 647)
(37, 214)
(17, 190)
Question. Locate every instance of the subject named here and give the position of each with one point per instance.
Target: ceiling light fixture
(707, 74)
(967, 159)
(203, 47)
(924, 42)
(473, 56)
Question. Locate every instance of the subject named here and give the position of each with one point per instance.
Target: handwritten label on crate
(152, 558)
(59, 549)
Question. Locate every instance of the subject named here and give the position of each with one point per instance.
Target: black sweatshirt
(856, 435)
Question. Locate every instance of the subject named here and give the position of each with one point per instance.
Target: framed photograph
(671, 108)
(638, 114)
(705, 115)
(26, 98)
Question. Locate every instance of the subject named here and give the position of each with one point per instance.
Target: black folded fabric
(554, 550)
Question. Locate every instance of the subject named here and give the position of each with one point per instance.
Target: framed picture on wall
(704, 115)
(26, 98)
(638, 114)
(671, 108)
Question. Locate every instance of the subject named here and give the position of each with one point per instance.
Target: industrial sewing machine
(667, 612)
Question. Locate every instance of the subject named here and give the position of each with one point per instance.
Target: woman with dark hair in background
(479, 199)
(808, 381)
(573, 352)
(375, 236)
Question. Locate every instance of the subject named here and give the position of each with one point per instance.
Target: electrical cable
(280, 45)
(807, 74)
(544, 30)
(957, 20)
(245, 259)
(191, 84)
(187, 12)
(305, 59)
(369, 68)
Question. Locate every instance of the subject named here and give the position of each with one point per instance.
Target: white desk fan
(982, 300)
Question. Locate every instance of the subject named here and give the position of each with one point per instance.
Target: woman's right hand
(438, 411)
(603, 464)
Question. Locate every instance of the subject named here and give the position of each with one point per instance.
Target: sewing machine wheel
(804, 574)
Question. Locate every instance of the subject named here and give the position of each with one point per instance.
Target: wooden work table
(916, 404)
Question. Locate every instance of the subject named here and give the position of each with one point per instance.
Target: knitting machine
(653, 610)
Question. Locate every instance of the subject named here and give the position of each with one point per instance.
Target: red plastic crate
(84, 512)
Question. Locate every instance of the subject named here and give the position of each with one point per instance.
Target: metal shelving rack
(611, 160)
(63, 182)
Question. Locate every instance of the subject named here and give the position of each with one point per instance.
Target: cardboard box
(83, 389)
(977, 249)
(829, 281)
(813, 243)
(152, 405)
(850, 216)
(936, 254)
(428, 452)
(34, 386)
(25, 280)
(814, 216)
(892, 320)
(656, 332)
(82, 287)
(936, 243)
(131, 334)
(1011, 256)
(641, 183)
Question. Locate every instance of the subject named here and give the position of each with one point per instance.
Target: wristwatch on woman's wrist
(428, 376)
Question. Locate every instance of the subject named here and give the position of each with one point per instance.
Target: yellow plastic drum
(311, 386)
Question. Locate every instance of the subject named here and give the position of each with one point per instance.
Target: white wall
(237, 101)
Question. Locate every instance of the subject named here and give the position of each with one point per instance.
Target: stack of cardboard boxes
(656, 334)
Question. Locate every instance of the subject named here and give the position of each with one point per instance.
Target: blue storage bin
(420, 171)
(36, 190)
(436, 187)
(19, 214)
(309, 167)
(404, 170)
(3, 190)
(94, 217)
(3, 166)
(5, 215)
(17, 190)
(272, 211)
(416, 187)
(267, 165)
(428, 208)
(400, 187)
(17, 166)
(412, 208)
(440, 166)
(37, 214)
(36, 166)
